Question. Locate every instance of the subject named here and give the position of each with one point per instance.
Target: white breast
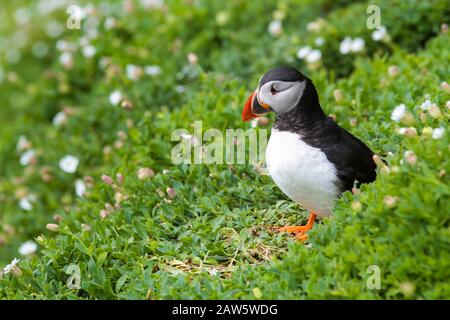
(302, 172)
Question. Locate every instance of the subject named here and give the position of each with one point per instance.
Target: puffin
(309, 156)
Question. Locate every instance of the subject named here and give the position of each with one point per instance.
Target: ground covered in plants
(92, 207)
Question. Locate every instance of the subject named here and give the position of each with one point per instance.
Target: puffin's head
(279, 90)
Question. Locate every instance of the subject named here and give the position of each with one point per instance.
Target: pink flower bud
(171, 193)
(103, 214)
(109, 208)
(192, 58)
(390, 201)
(127, 105)
(52, 227)
(118, 197)
(338, 96)
(376, 158)
(120, 178)
(145, 173)
(107, 179)
(57, 217)
(393, 71)
(445, 86)
(410, 157)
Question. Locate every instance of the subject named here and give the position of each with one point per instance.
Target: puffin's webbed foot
(300, 231)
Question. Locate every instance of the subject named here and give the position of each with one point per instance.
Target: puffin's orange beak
(253, 108)
(247, 113)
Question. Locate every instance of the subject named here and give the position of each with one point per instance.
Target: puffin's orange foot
(300, 231)
(292, 229)
(302, 236)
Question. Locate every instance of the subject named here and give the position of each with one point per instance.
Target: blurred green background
(110, 93)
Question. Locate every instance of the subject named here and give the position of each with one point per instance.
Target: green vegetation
(205, 231)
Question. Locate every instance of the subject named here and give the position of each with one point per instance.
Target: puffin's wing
(360, 158)
(352, 158)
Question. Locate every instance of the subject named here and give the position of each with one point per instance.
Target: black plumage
(351, 157)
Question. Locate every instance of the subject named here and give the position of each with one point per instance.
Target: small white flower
(54, 29)
(345, 46)
(435, 111)
(133, 72)
(398, 112)
(22, 16)
(26, 203)
(63, 45)
(254, 123)
(115, 97)
(314, 56)
(192, 58)
(23, 143)
(357, 44)
(402, 131)
(10, 266)
(319, 41)
(83, 41)
(89, 51)
(438, 133)
(80, 188)
(275, 28)
(351, 45)
(28, 248)
(110, 23)
(104, 62)
(426, 105)
(379, 34)
(303, 52)
(409, 132)
(59, 119)
(27, 157)
(69, 164)
(66, 59)
(213, 272)
(152, 70)
(151, 4)
(180, 89)
(88, 9)
(315, 26)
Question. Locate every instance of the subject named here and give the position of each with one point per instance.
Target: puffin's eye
(273, 90)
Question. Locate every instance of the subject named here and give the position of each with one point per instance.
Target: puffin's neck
(305, 115)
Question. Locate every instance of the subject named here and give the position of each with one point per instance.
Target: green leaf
(121, 282)
(101, 259)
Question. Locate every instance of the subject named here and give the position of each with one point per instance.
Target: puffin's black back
(351, 157)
